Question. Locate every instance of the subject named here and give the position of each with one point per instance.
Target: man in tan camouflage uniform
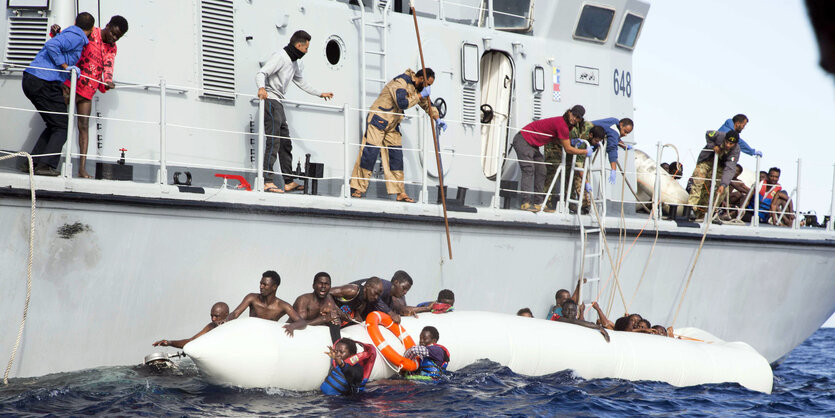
(726, 146)
(382, 131)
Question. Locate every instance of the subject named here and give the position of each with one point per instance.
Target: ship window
(334, 49)
(510, 15)
(27, 4)
(469, 63)
(594, 23)
(629, 31)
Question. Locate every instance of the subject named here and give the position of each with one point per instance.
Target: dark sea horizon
(804, 384)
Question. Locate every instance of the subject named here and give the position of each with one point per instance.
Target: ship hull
(113, 273)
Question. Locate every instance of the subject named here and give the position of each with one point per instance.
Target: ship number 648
(623, 83)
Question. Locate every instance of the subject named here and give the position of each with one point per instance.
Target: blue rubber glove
(612, 176)
(77, 70)
(628, 147)
(425, 92)
(758, 153)
(441, 124)
(589, 151)
(588, 188)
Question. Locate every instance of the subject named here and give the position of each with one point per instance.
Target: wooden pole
(434, 136)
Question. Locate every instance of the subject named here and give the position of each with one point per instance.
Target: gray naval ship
(170, 227)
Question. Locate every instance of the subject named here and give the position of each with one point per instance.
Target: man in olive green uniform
(553, 156)
(382, 131)
(726, 146)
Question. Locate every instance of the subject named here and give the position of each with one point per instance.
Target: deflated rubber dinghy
(256, 353)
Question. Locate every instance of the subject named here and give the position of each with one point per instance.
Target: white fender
(251, 352)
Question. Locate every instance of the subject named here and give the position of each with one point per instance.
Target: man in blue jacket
(737, 123)
(42, 86)
(624, 127)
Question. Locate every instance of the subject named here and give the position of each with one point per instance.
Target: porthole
(335, 51)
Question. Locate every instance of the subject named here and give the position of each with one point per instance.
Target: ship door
(496, 92)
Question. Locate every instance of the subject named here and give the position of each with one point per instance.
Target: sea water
(803, 385)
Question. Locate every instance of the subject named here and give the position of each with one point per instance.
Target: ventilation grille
(537, 106)
(217, 46)
(26, 37)
(470, 104)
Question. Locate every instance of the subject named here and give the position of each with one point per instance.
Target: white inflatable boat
(253, 353)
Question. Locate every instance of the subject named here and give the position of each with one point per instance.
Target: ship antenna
(434, 134)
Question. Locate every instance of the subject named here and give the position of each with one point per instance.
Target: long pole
(434, 136)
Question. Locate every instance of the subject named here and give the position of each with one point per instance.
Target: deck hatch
(217, 49)
(26, 37)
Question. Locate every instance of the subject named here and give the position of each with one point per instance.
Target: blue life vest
(429, 367)
(336, 383)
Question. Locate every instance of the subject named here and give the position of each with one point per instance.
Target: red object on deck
(244, 184)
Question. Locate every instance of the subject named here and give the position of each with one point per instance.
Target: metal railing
(346, 111)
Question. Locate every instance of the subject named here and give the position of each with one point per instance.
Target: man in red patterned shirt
(96, 64)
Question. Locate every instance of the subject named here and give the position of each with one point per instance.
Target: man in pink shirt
(527, 143)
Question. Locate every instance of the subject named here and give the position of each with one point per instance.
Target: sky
(697, 64)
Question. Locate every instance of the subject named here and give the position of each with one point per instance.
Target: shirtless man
(219, 312)
(317, 307)
(570, 313)
(266, 305)
(358, 300)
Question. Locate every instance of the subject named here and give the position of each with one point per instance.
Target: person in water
(526, 312)
(218, 313)
(349, 371)
(432, 357)
(443, 304)
(358, 300)
(570, 315)
(266, 305)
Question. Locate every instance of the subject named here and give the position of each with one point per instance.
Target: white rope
(31, 256)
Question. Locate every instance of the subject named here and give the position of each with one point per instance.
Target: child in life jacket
(349, 370)
(432, 357)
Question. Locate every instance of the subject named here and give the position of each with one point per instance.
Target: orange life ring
(372, 324)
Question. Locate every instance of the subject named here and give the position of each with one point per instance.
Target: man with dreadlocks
(272, 80)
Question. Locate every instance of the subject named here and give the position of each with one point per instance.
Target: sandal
(273, 189)
(405, 198)
(293, 186)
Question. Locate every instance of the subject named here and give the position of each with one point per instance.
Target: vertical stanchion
(755, 221)
(424, 188)
(497, 197)
(70, 125)
(490, 14)
(829, 226)
(709, 213)
(346, 170)
(163, 171)
(796, 223)
(259, 171)
(562, 203)
(656, 190)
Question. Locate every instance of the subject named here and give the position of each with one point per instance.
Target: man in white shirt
(272, 80)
